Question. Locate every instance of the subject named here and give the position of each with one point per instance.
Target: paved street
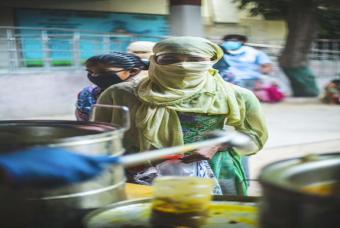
(297, 127)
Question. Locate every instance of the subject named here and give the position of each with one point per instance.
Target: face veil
(104, 81)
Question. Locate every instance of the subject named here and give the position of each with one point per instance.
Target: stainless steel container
(286, 201)
(59, 207)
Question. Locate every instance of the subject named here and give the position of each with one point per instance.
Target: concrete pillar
(185, 18)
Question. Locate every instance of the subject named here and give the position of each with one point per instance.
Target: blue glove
(51, 167)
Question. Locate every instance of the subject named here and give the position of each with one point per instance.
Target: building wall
(40, 94)
(219, 16)
(128, 6)
(7, 15)
(131, 6)
(265, 30)
(220, 11)
(262, 31)
(223, 16)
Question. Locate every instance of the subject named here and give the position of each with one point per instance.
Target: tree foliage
(266, 7)
(304, 19)
(328, 12)
(281, 7)
(330, 23)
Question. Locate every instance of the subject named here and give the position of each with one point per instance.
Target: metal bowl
(27, 133)
(286, 203)
(27, 207)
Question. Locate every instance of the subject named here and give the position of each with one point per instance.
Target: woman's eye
(195, 59)
(140, 52)
(167, 60)
(166, 57)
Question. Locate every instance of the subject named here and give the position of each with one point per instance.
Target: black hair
(123, 60)
(235, 37)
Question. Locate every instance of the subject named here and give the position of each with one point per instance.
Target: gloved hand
(50, 167)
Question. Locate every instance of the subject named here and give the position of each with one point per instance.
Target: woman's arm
(122, 95)
(266, 68)
(101, 114)
(252, 123)
(205, 153)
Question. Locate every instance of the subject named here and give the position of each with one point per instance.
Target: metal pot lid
(294, 174)
(25, 133)
(136, 213)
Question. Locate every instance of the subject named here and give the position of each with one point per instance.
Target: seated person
(249, 68)
(242, 64)
(332, 92)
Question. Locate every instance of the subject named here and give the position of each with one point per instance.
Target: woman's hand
(205, 153)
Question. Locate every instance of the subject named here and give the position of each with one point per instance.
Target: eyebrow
(183, 54)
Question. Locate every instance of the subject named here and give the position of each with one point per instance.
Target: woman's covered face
(166, 59)
(104, 77)
(142, 54)
(96, 71)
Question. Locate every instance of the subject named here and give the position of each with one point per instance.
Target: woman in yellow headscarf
(183, 98)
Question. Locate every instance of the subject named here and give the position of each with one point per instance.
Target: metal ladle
(231, 138)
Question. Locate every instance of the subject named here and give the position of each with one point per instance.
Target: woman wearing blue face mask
(104, 71)
(231, 45)
(241, 64)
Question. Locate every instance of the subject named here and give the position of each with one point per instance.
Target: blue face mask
(232, 45)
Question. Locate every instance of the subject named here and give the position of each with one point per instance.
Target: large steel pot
(58, 207)
(286, 201)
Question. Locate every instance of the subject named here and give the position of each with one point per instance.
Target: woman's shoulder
(90, 90)
(122, 94)
(243, 93)
(128, 87)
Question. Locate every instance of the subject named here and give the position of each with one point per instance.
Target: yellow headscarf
(192, 87)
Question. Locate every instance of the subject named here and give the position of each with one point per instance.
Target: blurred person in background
(332, 92)
(181, 100)
(105, 71)
(143, 49)
(249, 68)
